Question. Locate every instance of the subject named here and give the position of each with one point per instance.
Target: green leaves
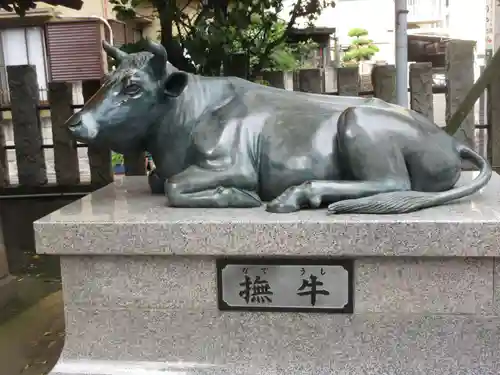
(357, 32)
(361, 48)
(116, 159)
(225, 27)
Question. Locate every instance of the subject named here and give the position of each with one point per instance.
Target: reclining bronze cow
(227, 142)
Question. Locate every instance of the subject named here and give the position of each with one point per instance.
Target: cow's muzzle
(74, 121)
(83, 127)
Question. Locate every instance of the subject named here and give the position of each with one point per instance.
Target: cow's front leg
(198, 187)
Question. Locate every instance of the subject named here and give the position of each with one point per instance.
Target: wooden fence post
(24, 96)
(384, 82)
(236, 65)
(101, 173)
(275, 78)
(481, 135)
(348, 81)
(460, 79)
(4, 263)
(310, 80)
(135, 164)
(421, 96)
(289, 77)
(4, 162)
(493, 119)
(65, 151)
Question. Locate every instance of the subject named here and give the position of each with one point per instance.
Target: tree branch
(264, 58)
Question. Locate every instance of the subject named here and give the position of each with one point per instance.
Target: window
(21, 46)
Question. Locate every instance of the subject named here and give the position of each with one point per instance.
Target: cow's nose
(74, 121)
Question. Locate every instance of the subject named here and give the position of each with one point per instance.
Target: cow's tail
(407, 201)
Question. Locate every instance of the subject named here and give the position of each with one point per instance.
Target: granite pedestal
(140, 291)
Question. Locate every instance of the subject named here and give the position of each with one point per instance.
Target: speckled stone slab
(157, 315)
(139, 284)
(124, 218)
(111, 340)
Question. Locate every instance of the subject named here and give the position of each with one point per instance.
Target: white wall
(376, 16)
(467, 20)
(22, 46)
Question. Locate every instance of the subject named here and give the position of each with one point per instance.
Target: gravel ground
(32, 340)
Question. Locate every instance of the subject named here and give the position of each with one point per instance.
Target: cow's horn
(157, 49)
(114, 52)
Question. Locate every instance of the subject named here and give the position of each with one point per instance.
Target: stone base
(412, 316)
(140, 290)
(283, 344)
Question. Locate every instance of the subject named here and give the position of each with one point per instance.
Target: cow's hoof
(291, 200)
(280, 208)
(236, 198)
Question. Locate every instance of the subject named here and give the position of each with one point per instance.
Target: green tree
(361, 48)
(202, 41)
(253, 41)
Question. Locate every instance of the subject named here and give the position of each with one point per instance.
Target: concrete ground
(32, 329)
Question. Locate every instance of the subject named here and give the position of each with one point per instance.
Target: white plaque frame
(286, 285)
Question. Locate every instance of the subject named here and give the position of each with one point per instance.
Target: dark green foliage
(200, 35)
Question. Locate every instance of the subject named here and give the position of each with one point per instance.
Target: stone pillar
(237, 66)
(275, 78)
(493, 119)
(65, 151)
(421, 96)
(135, 164)
(384, 82)
(348, 81)
(7, 290)
(289, 80)
(310, 80)
(4, 163)
(460, 79)
(24, 96)
(4, 267)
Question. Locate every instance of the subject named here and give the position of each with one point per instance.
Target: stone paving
(31, 342)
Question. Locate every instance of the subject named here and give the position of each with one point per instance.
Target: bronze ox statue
(227, 142)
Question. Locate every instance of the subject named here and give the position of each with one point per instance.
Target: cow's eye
(132, 89)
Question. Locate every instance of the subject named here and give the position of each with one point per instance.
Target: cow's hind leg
(371, 165)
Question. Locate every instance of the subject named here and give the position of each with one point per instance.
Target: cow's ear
(175, 84)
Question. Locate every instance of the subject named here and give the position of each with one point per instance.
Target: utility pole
(401, 43)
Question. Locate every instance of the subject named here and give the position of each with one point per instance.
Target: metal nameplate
(293, 285)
